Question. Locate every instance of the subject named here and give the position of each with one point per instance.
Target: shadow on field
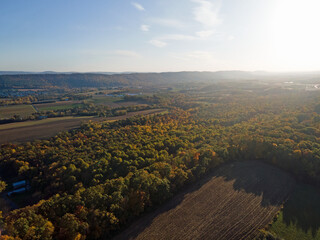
(138, 226)
(303, 209)
(270, 183)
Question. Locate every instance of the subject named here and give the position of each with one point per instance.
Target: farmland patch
(61, 105)
(20, 110)
(232, 203)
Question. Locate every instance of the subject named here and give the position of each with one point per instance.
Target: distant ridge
(53, 72)
(79, 80)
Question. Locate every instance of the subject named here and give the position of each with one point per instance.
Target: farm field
(232, 203)
(105, 100)
(114, 102)
(300, 216)
(42, 129)
(60, 105)
(37, 122)
(21, 110)
(131, 114)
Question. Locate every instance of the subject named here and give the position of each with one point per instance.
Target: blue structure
(18, 187)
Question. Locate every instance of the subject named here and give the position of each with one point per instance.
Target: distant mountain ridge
(79, 80)
(53, 72)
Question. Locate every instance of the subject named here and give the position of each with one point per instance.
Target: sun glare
(294, 33)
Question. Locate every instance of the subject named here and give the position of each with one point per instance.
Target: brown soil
(40, 131)
(231, 204)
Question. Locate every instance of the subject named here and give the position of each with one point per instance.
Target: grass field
(61, 105)
(21, 110)
(231, 204)
(300, 217)
(105, 100)
(114, 102)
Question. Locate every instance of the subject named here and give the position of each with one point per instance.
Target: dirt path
(231, 204)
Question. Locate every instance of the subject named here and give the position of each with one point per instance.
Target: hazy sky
(159, 35)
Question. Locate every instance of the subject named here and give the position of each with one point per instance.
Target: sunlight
(294, 32)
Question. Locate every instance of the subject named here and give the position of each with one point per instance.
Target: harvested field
(43, 129)
(21, 110)
(115, 102)
(231, 204)
(131, 114)
(60, 105)
(125, 104)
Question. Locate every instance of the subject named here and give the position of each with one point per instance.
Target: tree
(3, 186)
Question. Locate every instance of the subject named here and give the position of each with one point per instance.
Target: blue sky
(159, 35)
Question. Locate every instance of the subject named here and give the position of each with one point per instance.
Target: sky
(159, 35)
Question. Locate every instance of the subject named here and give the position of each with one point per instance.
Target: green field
(300, 217)
(59, 107)
(105, 100)
(21, 110)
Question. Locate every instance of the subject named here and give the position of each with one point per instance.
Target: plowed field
(231, 204)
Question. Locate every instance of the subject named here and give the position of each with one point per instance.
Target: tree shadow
(272, 184)
(145, 220)
(303, 209)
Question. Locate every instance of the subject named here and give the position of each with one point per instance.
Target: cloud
(176, 37)
(145, 28)
(207, 13)
(138, 6)
(158, 43)
(230, 38)
(162, 40)
(204, 34)
(168, 22)
(199, 55)
(126, 53)
(204, 56)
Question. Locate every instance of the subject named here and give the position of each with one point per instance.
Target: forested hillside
(80, 80)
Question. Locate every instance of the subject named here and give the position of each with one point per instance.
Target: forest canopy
(91, 182)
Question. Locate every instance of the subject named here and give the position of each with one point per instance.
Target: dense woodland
(90, 183)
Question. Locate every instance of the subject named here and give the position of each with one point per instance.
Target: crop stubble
(232, 203)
